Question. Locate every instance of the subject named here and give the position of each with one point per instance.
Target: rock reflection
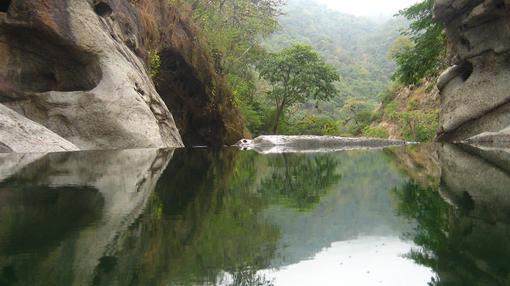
(62, 212)
(463, 224)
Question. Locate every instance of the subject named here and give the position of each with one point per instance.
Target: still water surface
(416, 215)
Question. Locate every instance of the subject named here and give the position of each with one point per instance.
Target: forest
(364, 77)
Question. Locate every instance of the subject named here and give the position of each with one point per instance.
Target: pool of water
(413, 215)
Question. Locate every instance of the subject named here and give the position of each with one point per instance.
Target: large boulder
(79, 68)
(474, 92)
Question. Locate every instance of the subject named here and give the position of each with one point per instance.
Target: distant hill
(356, 46)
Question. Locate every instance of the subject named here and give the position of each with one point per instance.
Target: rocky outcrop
(312, 144)
(474, 92)
(19, 134)
(79, 69)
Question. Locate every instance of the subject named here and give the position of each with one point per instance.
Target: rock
(78, 68)
(311, 144)
(493, 138)
(19, 134)
(474, 92)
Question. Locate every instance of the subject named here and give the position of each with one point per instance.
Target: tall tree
(427, 54)
(297, 74)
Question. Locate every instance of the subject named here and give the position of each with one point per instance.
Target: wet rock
(19, 134)
(474, 97)
(304, 144)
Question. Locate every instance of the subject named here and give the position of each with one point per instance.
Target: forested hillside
(357, 47)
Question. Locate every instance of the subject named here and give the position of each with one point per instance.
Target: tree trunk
(279, 110)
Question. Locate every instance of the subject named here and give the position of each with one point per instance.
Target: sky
(368, 7)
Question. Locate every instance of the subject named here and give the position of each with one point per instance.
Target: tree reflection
(299, 181)
(426, 207)
(461, 249)
(200, 226)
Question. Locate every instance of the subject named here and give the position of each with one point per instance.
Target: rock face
(77, 67)
(19, 134)
(474, 92)
(311, 144)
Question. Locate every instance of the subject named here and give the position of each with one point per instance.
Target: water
(416, 215)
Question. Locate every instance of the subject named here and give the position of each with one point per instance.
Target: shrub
(154, 64)
(376, 132)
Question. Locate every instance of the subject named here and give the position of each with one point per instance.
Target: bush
(376, 132)
(418, 125)
(154, 64)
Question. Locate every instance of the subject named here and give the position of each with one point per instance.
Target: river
(411, 215)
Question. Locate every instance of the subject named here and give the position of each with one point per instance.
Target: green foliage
(426, 206)
(154, 63)
(357, 114)
(313, 125)
(299, 181)
(425, 56)
(233, 30)
(297, 74)
(375, 132)
(416, 125)
(355, 46)
(420, 126)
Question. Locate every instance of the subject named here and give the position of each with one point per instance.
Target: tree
(427, 54)
(297, 74)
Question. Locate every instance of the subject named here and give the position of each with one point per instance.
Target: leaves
(427, 55)
(298, 74)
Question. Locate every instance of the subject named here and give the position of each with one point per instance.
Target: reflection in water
(203, 217)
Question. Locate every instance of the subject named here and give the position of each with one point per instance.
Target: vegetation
(253, 42)
(154, 64)
(297, 74)
(411, 104)
(425, 54)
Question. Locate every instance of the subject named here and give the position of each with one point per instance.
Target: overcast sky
(368, 7)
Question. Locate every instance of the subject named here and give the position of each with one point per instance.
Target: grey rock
(312, 144)
(67, 67)
(19, 134)
(474, 92)
(494, 138)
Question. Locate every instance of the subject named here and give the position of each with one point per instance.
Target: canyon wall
(77, 70)
(474, 92)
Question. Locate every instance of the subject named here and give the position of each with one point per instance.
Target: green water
(417, 215)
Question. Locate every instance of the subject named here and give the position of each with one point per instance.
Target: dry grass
(147, 10)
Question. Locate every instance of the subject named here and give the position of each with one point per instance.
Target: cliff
(475, 102)
(79, 70)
